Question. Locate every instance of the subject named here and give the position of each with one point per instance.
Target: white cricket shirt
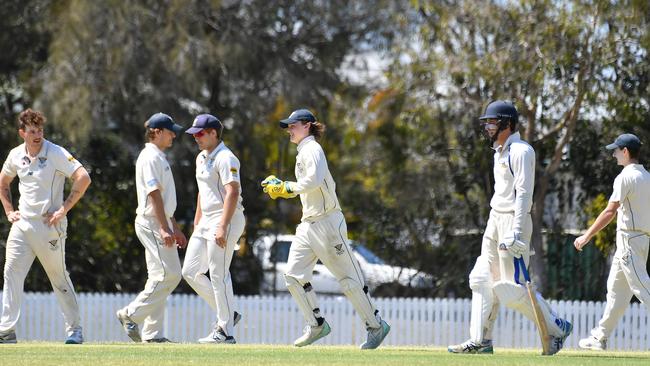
(315, 184)
(632, 191)
(514, 179)
(213, 171)
(152, 172)
(42, 179)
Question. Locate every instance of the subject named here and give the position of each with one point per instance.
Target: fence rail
(276, 320)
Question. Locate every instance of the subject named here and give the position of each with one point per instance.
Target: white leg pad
(360, 300)
(305, 297)
(484, 304)
(516, 297)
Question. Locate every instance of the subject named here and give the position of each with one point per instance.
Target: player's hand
(277, 188)
(220, 236)
(13, 216)
(514, 244)
(167, 237)
(54, 217)
(580, 242)
(181, 240)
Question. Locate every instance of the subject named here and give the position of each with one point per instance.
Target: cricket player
(158, 232)
(628, 275)
(507, 236)
(39, 226)
(322, 234)
(218, 224)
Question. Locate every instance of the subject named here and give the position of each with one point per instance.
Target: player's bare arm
(229, 205)
(5, 197)
(80, 182)
(181, 240)
(604, 218)
(159, 210)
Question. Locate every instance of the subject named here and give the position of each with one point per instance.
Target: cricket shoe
(376, 336)
(157, 340)
(593, 343)
(8, 337)
(217, 336)
(130, 327)
(556, 343)
(312, 334)
(75, 337)
(470, 346)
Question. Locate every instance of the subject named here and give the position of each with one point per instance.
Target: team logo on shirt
(26, 160)
(41, 161)
(152, 183)
(339, 249)
(53, 244)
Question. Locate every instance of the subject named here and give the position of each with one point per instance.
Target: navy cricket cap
(161, 120)
(625, 140)
(205, 121)
(300, 115)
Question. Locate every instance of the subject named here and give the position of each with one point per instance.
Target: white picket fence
(276, 320)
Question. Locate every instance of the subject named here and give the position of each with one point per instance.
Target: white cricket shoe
(9, 337)
(376, 335)
(75, 337)
(130, 327)
(556, 343)
(593, 343)
(217, 336)
(470, 346)
(312, 334)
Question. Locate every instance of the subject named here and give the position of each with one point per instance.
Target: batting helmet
(501, 110)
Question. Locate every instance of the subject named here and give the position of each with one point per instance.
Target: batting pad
(306, 300)
(360, 301)
(516, 297)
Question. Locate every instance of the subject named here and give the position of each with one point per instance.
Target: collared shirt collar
(631, 166)
(42, 153)
(214, 152)
(512, 138)
(153, 146)
(305, 141)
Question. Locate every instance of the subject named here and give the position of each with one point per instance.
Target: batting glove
(277, 188)
(514, 244)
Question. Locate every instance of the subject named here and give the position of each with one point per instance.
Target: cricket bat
(539, 317)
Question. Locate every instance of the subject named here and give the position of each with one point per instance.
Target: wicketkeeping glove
(514, 244)
(277, 188)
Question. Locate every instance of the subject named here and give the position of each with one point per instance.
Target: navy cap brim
(611, 147)
(193, 130)
(177, 129)
(286, 122)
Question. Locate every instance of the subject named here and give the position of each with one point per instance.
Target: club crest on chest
(339, 249)
(54, 244)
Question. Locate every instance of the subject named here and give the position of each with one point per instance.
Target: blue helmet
(501, 110)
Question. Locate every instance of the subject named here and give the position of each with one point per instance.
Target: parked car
(273, 253)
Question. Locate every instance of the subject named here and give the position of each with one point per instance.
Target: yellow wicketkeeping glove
(277, 188)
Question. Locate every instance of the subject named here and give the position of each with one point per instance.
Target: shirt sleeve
(64, 161)
(315, 166)
(9, 168)
(151, 175)
(620, 190)
(228, 169)
(523, 167)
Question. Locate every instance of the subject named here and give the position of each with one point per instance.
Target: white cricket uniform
(152, 172)
(514, 180)
(214, 170)
(628, 275)
(322, 234)
(41, 192)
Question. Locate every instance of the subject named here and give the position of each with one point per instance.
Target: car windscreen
(280, 251)
(369, 256)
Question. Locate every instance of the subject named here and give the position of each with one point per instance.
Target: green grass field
(39, 353)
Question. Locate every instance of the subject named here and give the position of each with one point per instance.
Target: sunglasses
(199, 134)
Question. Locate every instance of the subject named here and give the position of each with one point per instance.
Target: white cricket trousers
(627, 277)
(29, 239)
(203, 255)
(163, 275)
